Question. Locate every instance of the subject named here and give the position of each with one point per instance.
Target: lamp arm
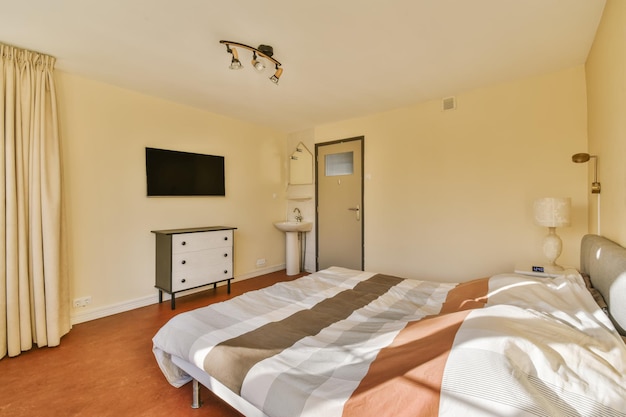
(595, 168)
(250, 48)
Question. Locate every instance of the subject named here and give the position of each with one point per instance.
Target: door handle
(358, 212)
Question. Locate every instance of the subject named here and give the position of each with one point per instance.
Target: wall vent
(449, 103)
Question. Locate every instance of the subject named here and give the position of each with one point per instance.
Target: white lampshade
(552, 211)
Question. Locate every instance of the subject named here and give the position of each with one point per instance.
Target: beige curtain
(34, 297)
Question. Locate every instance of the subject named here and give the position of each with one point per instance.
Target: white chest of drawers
(191, 258)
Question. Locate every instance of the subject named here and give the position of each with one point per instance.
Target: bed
(351, 343)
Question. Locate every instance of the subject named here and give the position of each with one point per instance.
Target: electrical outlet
(260, 262)
(82, 301)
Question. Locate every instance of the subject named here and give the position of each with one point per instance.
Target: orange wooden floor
(105, 367)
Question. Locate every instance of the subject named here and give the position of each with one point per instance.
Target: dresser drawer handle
(184, 262)
(183, 243)
(183, 280)
(225, 255)
(226, 271)
(225, 237)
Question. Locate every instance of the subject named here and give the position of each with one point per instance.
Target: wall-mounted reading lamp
(584, 157)
(263, 51)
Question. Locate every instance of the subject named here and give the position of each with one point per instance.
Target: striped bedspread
(351, 343)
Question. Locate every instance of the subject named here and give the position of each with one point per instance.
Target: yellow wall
(104, 133)
(606, 90)
(450, 193)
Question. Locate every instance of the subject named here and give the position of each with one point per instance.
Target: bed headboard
(605, 262)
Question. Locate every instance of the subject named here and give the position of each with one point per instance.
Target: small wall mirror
(301, 166)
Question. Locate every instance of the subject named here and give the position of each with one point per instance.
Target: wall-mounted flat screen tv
(174, 173)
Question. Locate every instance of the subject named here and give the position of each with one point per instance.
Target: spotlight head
(235, 64)
(258, 65)
(274, 78)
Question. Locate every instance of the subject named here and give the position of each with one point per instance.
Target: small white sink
(290, 226)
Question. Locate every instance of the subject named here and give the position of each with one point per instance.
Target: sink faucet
(298, 214)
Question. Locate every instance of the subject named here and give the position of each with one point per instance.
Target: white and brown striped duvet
(351, 343)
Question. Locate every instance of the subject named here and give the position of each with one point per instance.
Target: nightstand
(538, 271)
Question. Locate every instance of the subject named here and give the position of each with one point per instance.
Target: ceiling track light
(263, 51)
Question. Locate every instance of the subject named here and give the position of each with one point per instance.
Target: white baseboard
(261, 271)
(104, 311)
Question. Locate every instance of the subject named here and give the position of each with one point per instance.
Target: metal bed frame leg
(196, 402)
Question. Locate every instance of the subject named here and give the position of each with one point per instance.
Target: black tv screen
(174, 173)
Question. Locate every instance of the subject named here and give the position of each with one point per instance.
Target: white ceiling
(341, 58)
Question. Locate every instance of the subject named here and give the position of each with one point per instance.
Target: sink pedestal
(292, 245)
(292, 253)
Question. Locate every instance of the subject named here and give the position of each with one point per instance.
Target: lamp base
(552, 247)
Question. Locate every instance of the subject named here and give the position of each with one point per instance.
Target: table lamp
(552, 212)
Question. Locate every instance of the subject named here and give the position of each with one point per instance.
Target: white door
(339, 188)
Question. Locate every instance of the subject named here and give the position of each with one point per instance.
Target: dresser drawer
(191, 242)
(197, 263)
(197, 278)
